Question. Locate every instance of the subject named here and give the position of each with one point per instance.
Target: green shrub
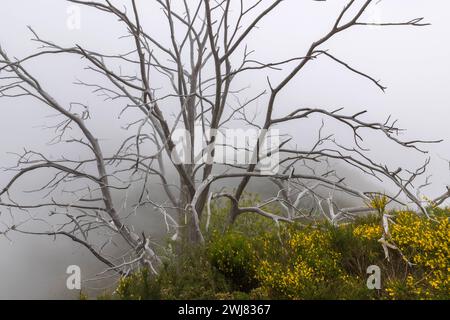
(256, 259)
(139, 286)
(304, 264)
(426, 244)
(233, 255)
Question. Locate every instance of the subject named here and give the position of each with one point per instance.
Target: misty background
(412, 62)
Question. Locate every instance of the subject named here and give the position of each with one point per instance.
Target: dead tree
(196, 58)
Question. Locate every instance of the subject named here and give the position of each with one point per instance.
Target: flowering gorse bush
(424, 244)
(258, 259)
(303, 265)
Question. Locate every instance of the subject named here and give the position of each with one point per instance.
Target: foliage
(138, 285)
(305, 265)
(379, 203)
(233, 255)
(255, 259)
(426, 242)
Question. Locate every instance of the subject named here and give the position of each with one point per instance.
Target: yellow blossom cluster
(426, 243)
(310, 260)
(368, 231)
(319, 261)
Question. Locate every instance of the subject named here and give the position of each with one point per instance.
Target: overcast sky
(412, 62)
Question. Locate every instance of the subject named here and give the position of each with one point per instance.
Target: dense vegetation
(257, 259)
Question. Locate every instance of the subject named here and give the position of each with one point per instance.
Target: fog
(412, 62)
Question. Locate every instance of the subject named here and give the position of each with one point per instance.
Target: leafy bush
(139, 286)
(233, 255)
(303, 266)
(256, 259)
(189, 276)
(420, 268)
(426, 243)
